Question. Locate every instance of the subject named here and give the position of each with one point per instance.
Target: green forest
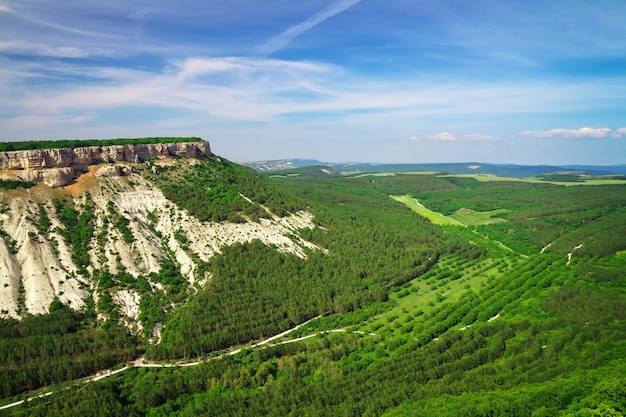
(518, 310)
(79, 143)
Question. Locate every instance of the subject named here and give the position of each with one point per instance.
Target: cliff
(58, 167)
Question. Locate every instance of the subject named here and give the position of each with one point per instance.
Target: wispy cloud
(582, 133)
(285, 38)
(446, 136)
(237, 89)
(42, 49)
(194, 67)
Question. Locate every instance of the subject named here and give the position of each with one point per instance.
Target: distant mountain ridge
(501, 170)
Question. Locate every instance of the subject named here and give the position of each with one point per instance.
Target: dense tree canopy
(78, 143)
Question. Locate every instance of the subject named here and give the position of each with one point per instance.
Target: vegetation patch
(436, 218)
(567, 181)
(78, 228)
(218, 190)
(15, 184)
(469, 217)
(561, 178)
(80, 143)
(56, 347)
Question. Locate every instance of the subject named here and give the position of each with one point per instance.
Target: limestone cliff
(135, 229)
(59, 167)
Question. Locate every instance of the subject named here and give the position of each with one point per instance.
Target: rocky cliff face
(59, 167)
(135, 230)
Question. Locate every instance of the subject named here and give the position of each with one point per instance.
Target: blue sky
(504, 81)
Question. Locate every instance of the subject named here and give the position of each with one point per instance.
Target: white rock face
(59, 167)
(43, 274)
(128, 302)
(36, 265)
(10, 276)
(59, 158)
(52, 177)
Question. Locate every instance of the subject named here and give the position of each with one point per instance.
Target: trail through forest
(139, 362)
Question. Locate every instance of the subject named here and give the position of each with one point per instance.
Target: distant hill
(282, 164)
(611, 169)
(311, 171)
(500, 170)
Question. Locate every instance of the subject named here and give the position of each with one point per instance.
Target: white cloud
(446, 136)
(602, 132)
(443, 136)
(286, 37)
(584, 132)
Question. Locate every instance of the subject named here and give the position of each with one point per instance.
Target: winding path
(139, 362)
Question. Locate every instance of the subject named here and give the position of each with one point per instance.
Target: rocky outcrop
(53, 177)
(59, 167)
(61, 158)
(113, 171)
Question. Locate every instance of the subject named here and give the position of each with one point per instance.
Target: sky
(390, 81)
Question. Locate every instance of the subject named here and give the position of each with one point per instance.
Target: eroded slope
(110, 236)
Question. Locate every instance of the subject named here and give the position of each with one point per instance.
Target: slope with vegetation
(114, 257)
(405, 317)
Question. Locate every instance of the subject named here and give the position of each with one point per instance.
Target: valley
(407, 294)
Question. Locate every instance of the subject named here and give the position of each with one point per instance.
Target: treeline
(57, 347)
(80, 143)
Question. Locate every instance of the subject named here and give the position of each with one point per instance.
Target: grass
(470, 217)
(592, 181)
(373, 174)
(433, 216)
(446, 282)
(429, 291)
(390, 174)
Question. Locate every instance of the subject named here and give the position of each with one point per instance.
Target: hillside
(215, 291)
(112, 219)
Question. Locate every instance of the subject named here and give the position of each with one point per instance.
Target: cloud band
(582, 133)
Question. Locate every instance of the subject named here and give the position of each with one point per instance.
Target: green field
(461, 217)
(469, 217)
(534, 180)
(434, 217)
